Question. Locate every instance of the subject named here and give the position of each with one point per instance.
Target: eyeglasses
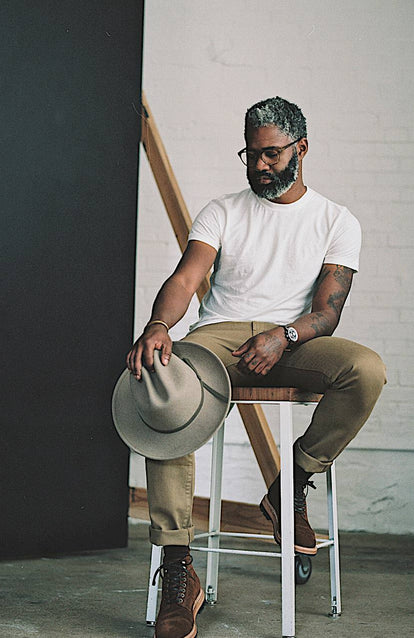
(269, 156)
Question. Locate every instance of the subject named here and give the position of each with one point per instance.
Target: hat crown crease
(159, 396)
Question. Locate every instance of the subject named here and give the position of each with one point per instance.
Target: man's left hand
(260, 353)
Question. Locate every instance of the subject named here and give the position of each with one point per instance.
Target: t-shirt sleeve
(207, 227)
(345, 245)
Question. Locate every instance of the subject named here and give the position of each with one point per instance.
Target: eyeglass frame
(275, 148)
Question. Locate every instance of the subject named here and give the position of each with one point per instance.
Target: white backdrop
(349, 67)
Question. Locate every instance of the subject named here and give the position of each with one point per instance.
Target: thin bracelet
(151, 323)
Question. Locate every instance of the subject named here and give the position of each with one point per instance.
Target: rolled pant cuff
(307, 462)
(171, 536)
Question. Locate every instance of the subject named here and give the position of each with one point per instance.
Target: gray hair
(279, 112)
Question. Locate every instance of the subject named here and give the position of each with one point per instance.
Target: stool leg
(214, 516)
(287, 520)
(153, 588)
(333, 549)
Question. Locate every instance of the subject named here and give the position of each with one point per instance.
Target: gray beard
(281, 182)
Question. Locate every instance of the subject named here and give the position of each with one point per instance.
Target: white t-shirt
(270, 255)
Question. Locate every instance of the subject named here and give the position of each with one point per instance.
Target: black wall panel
(70, 82)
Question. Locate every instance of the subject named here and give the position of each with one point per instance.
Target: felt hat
(176, 409)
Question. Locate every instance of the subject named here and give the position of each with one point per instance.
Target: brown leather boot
(305, 541)
(182, 598)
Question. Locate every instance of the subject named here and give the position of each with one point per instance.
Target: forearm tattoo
(336, 300)
(342, 275)
(320, 324)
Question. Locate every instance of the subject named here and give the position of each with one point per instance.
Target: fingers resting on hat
(142, 352)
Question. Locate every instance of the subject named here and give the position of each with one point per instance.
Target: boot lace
(301, 492)
(175, 577)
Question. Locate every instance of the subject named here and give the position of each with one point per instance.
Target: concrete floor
(103, 594)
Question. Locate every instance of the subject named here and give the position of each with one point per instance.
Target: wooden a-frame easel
(253, 417)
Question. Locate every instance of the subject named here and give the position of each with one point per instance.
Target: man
(284, 258)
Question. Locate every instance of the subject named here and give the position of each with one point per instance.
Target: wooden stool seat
(261, 395)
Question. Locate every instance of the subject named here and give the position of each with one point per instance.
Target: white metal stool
(285, 398)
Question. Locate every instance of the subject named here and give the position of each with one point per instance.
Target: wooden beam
(167, 184)
(164, 176)
(235, 517)
(261, 440)
(253, 417)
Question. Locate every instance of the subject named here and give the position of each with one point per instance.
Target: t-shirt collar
(286, 207)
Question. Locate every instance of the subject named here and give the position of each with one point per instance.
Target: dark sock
(301, 477)
(175, 552)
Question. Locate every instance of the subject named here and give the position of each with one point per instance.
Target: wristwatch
(291, 334)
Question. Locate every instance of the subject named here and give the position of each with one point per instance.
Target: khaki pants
(349, 375)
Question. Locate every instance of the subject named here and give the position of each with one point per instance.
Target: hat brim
(163, 446)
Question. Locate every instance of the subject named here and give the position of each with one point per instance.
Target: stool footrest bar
(320, 542)
(234, 535)
(241, 552)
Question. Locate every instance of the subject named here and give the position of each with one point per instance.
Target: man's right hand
(154, 337)
(172, 301)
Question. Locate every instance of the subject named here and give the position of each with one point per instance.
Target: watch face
(292, 334)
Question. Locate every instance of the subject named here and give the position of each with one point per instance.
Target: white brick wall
(348, 65)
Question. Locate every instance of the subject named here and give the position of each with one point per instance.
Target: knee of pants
(370, 372)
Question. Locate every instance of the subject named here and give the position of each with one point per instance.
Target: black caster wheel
(303, 568)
